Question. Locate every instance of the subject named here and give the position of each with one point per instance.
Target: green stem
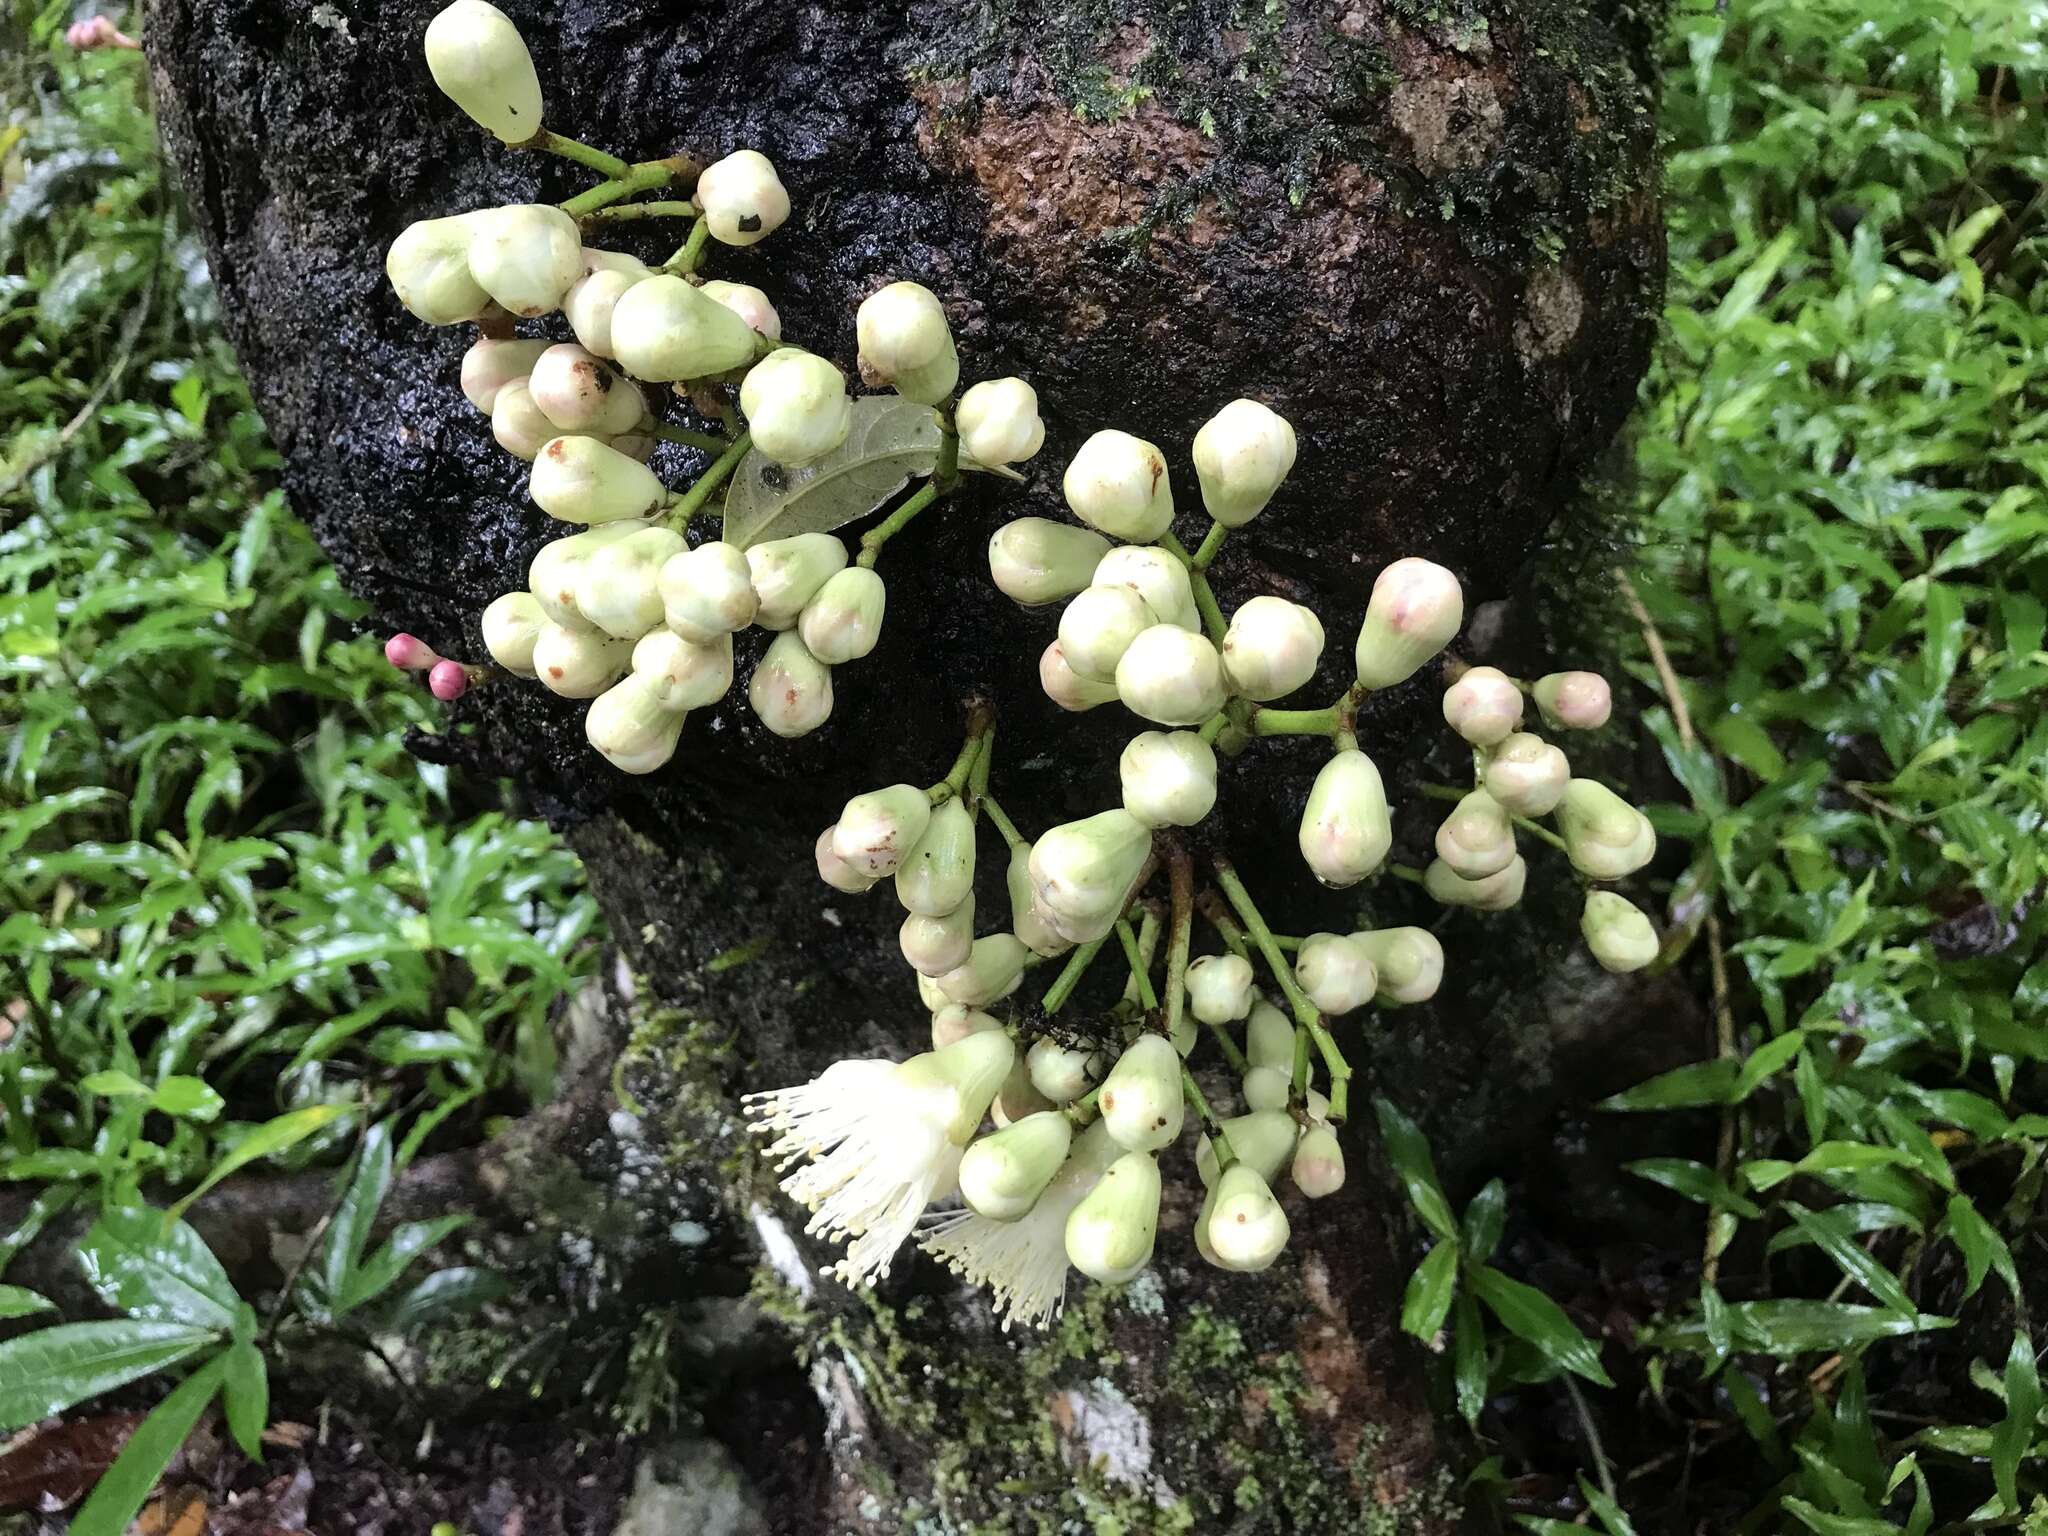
(1069, 977)
(690, 254)
(1011, 836)
(1305, 1013)
(1406, 872)
(1212, 907)
(1148, 946)
(1192, 1092)
(1541, 833)
(691, 502)
(644, 177)
(1180, 874)
(956, 779)
(1214, 726)
(1295, 722)
(1443, 791)
(872, 541)
(1141, 968)
(1205, 600)
(626, 212)
(710, 442)
(1211, 544)
(984, 765)
(1082, 1110)
(1300, 1078)
(607, 165)
(946, 474)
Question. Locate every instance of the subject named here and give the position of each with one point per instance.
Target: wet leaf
(1408, 1151)
(1530, 1315)
(1428, 1299)
(891, 440)
(119, 1495)
(46, 1372)
(135, 1262)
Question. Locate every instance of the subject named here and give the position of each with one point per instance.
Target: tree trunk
(1428, 234)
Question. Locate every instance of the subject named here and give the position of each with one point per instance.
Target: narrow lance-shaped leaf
(47, 1371)
(1529, 1314)
(1429, 1293)
(118, 1496)
(1408, 1151)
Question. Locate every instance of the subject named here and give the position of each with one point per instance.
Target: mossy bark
(1427, 233)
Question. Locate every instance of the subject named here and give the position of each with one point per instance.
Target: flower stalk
(1305, 1013)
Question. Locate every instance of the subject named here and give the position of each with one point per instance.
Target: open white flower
(878, 1141)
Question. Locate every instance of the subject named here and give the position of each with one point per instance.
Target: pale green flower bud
(742, 198)
(489, 365)
(750, 304)
(929, 994)
(511, 625)
(1318, 1108)
(480, 62)
(631, 727)
(934, 945)
(1605, 837)
(953, 1021)
(1574, 701)
(1247, 1229)
(843, 622)
(1242, 453)
(1346, 829)
(1066, 687)
(787, 573)
(1184, 1034)
(1483, 706)
(526, 256)
(1118, 483)
(591, 303)
(1141, 1098)
(998, 422)
(428, 265)
(905, 343)
(1266, 1088)
(1155, 576)
(1171, 677)
(1002, 1176)
(558, 568)
(839, 874)
(967, 1073)
(1111, 1232)
(1269, 1038)
(1271, 648)
(1416, 608)
(664, 329)
(1084, 872)
(707, 592)
(521, 427)
(1017, 1100)
(581, 480)
(1527, 774)
(1036, 561)
(994, 969)
(1169, 779)
(578, 663)
(796, 406)
(1476, 839)
(1496, 893)
(619, 587)
(1336, 972)
(1318, 1163)
(1062, 1072)
(685, 675)
(1261, 1140)
(574, 388)
(938, 872)
(877, 829)
(1410, 962)
(1098, 625)
(1027, 921)
(791, 690)
(1220, 988)
(1618, 932)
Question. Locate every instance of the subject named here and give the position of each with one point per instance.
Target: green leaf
(1819, 1520)
(1695, 1181)
(16, 1301)
(1703, 1082)
(135, 1262)
(348, 1234)
(1428, 1299)
(1794, 1326)
(1529, 1314)
(1408, 1151)
(1480, 1229)
(1983, 1249)
(2014, 1435)
(446, 1293)
(1855, 1262)
(114, 1085)
(46, 1372)
(1468, 1358)
(246, 1387)
(120, 1492)
(189, 1098)
(1744, 293)
(268, 1139)
(891, 440)
(404, 1245)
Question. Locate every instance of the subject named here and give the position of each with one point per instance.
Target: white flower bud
(750, 304)
(1017, 1100)
(1269, 1038)
(1220, 988)
(1483, 706)
(1318, 1163)
(1271, 648)
(1027, 920)
(511, 625)
(573, 388)
(428, 265)
(1416, 608)
(489, 365)
(1002, 1176)
(787, 573)
(597, 260)
(1619, 933)
(954, 1022)
(578, 663)
(934, 945)
(934, 1000)
(1496, 893)
(526, 256)
(557, 569)
(839, 874)
(1410, 962)
(1242, 453)
(1118, 483)
(1605, 837)
(937, 874)
(685, 675)
(1169, 779)
(1098, 625)
(590, 304)
(1336, 972)
(1266, 1088)
(631, 727)
(480, 62)
(1062, 1072)
(1574, 701)
(1184, 1034)
(1035, 560)
(1247, 1229)
(1084, 872)
(742, 198)
(1066, 687)
(664, 329)
(998, 422)
(877, 829)
(905, 343)
(1141, 1098)
(1171, 677)
(708, 591)
(796, 406)
(618, 588)
(1476, 839)
(994, 969)
(843, 622)
(1346, 828)
(1111, 1232)
(1527, 774)
(519, 425)
(791, 690)
(1155, 576)
(1261, 1140)
(581, 480)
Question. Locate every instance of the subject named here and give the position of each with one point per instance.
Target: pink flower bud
(1574, 701)
(409, 653)
(448, 681)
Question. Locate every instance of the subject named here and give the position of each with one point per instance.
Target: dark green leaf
(246, 1390)
(1857, 1264)
(1468, 1358)
(1983, 1249)
(118, 1496)
(446, 1293)
(46, 1372)
(18, 1302)
(1481, 1227)
(1408, 1151)
(348, 1234)
(1529, 1314)
(383, 1267)
(2014, 1436)
(1695, 1181)
(268, 1139)
(153, 1271)
(1428, 1299)
(1704, 1082)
